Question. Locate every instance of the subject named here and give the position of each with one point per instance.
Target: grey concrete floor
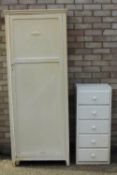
(37, 168)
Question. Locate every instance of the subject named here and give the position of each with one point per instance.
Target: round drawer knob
(93, 141)
(94, 127)
(94, 98)
(93, 155)
(94, 113)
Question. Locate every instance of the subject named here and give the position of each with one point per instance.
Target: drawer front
(93, 97)
(93, 141)
(93, 112)
(93, 126)
(93, 155)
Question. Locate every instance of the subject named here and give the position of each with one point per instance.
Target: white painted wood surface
(93, 126)
(93, 155)
(38, 90)
(93, 140)
(93, 112)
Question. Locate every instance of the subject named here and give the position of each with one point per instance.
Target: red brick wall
(92, 50)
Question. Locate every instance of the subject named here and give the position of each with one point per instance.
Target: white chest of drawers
(93, 126)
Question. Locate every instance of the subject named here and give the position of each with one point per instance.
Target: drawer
(92, 154)
(93, 112)
(93, 141)
(93, 97)
(93, 126)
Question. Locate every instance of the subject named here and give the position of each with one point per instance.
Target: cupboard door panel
(36, 37)
(39, 119)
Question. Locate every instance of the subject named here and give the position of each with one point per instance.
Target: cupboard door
(39, 117)
(38, 71)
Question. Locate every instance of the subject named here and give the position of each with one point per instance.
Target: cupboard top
(34, 11)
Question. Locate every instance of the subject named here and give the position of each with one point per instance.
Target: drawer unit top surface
(94, 87)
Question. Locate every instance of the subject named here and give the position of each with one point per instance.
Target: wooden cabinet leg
(16, 163)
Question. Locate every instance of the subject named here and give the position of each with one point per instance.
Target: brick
(109, 19)
(108, 80)
(83, 26)
(75, 32)
(73, 19)
(83, 13)
(45, 1)
(114, 50)
(92, 57)
(75, 45)
(92, 6)
(3, 7)
(75, 57)
(83, 1)
(92, 19)
(93, 45)
(114, 13)
(71, 39)
(109, 69)
(113, 63)
(74, 6)
(101, 25)
(84, 38)
(37, 6)
(100, 75)
(100, 63)
(110, 32)
(70, 13)
(8, 2)
(64, 1)
(93, 32)
(109, 6)
(91, 69)
(108, 57)
(101, 51)
(70, 26)
(17, 7)
(114, 26)
(83, 51)
(113, 74)
(114, 1)
(75, 69)
(110, 44)
(102, 1)
(83, 75)
(82, 63)
(91, 80)
(27, 1)
(105, 38)
(102, 13)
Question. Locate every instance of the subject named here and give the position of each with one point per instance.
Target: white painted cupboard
(93, 126)
(38, 89)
